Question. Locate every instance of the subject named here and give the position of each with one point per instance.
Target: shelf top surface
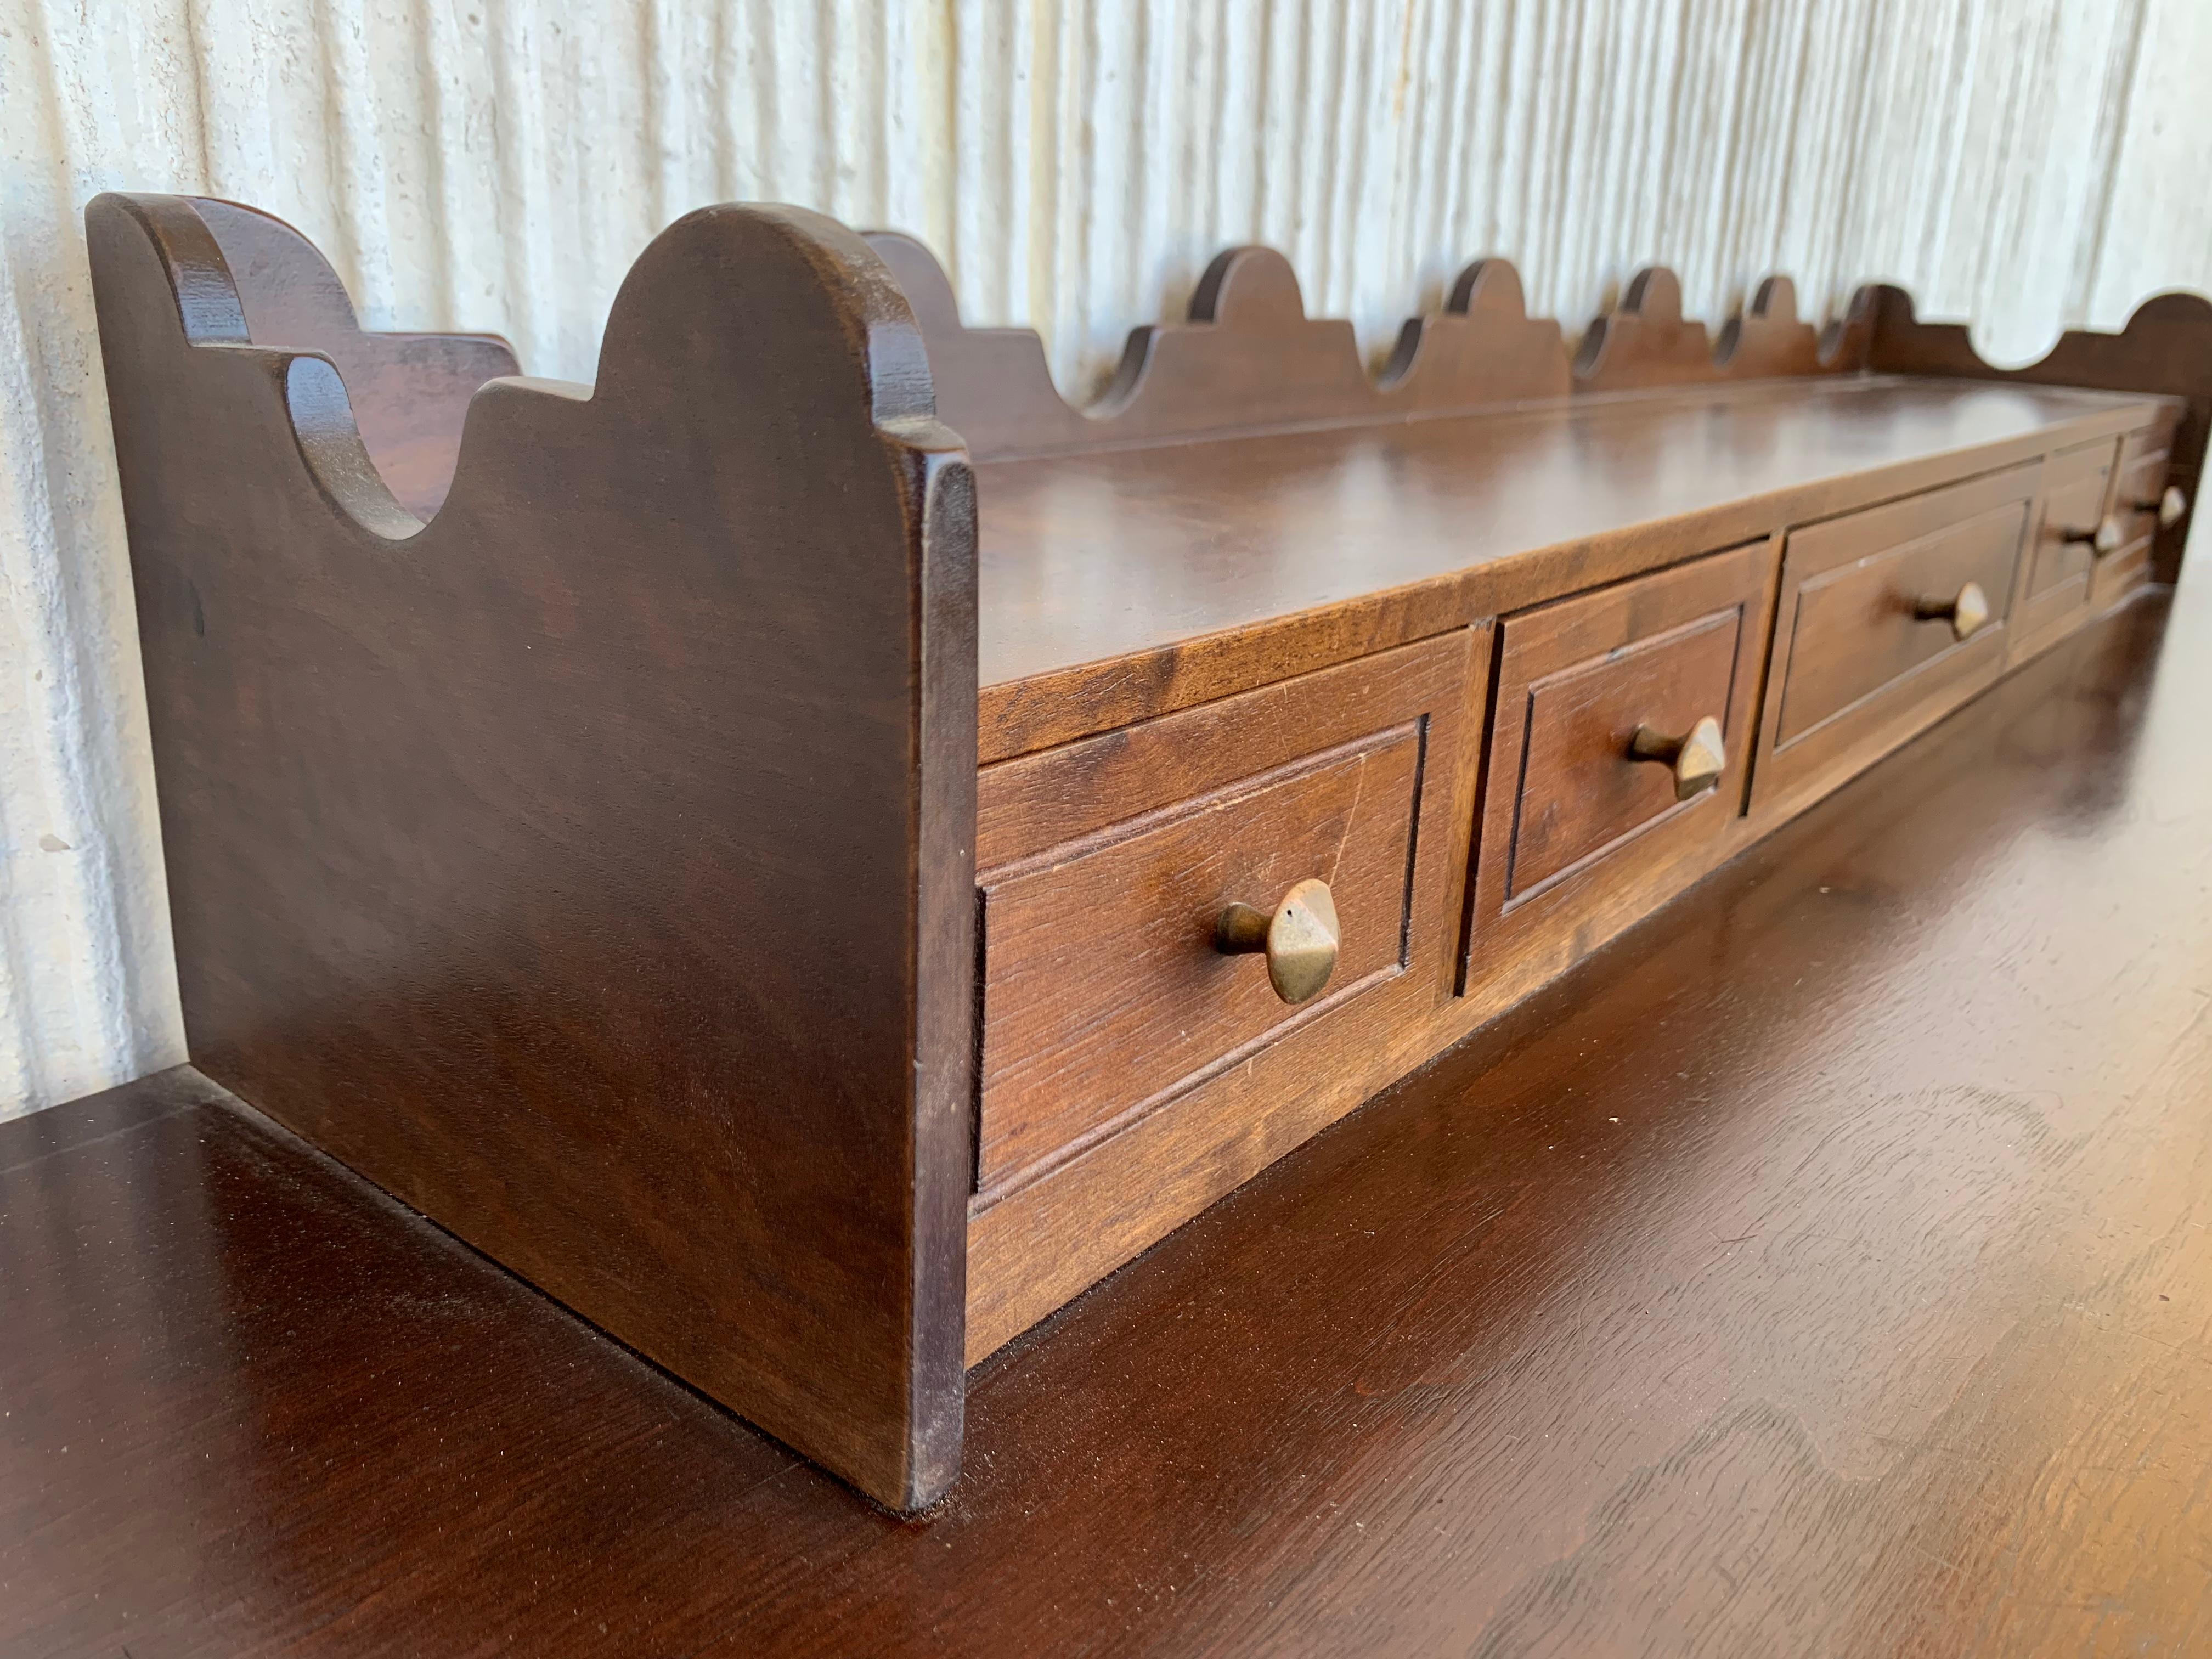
(1091, 557)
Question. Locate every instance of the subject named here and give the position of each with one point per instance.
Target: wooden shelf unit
(745, 843)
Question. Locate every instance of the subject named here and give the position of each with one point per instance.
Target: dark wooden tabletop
(1824, 1268)
(1089, 557)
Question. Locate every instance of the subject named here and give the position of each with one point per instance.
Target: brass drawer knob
(2103, 537)
(2171, 507)
(1968, 613)
(1300, 940)
(1697, 757)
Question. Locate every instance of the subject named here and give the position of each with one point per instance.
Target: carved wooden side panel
(994, 385)
(2166, 348)
(591, 867)
(410, 392)
(1768, 341)
(1249, 360)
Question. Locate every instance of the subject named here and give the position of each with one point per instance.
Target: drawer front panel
(1132, 1074)
(1863, 658)
(1577, 836)
(2074, 503)
(1106, 864)
(2054, 589)
(2140, 480)
(1580, 796)
(1856, 631)
(1103, 985)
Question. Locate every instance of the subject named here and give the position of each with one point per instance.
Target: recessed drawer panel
(1887, 618)
(1580, 795)
(1614, 773)
(1105, 985)
(1107, 990)
(2139, 499)
(1131, 1071)
(1866, 623)
(2054, 589)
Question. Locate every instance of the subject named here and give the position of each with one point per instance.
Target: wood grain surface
(1482, 347)
(2165, 349)
(1578, 839)
(410, 392)
(1823, 1270)
(1118, 584)
(1103, 989)
(1241, 1079)
(592, 866)
(1866, 673)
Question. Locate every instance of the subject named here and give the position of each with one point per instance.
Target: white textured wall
(497, 163)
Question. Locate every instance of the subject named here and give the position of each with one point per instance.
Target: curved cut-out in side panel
(2164, 348)
(410, 392)
(590, 869)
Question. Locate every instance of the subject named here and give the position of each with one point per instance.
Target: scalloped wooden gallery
(814, 849)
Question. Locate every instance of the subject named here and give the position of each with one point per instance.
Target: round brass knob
(2103, 537)
(1698, 756)
(1300, 939)
(2171, 507)
(1967, 614)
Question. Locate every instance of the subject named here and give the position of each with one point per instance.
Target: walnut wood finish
(571, 793)
(1104, 992)
(1119, 585)
(1821, 1271)
(1482, 349)
(1247, 359)
(1859, 663)
(410, 392)
(1248, 345)
(1209, 1077)
(2053, 596)
(2139, 484)
(2165, 349)
(1579, 836)
(1646, 343)
(994, 385)
(1769, 339)
(590, 867)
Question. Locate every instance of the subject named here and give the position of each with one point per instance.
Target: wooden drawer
(1107, 864)
(1131, 1072)
(1103, 990)
(2053, 597)
(1859, 665)
(1578, 837)
(2137, 486)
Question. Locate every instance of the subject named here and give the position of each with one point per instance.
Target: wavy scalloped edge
(390, 425)
(1249, 359)
(714, 613)
(2163, 348)
(1246, 359)
(1645, 341)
